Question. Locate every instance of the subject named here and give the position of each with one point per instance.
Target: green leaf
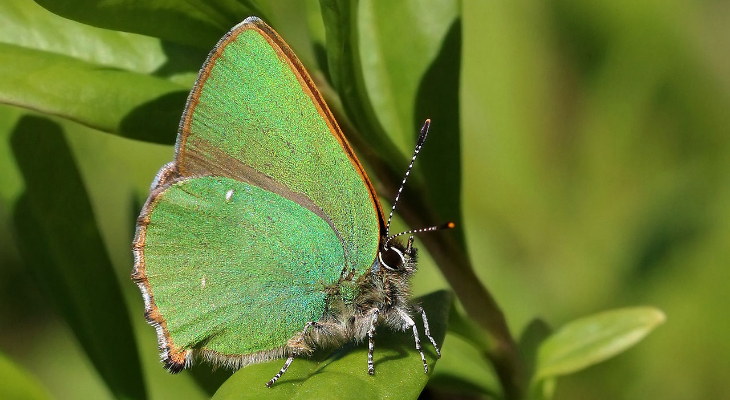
(26, 24)
(132, 105)
(398, 43)
(346, 74)
(465, 327)
(291, 20)
(543, 389)
(208, 379)
(593, 339)
(532, 337)
(315, 27)
(464, 369)
(59, 241)
(88, 86)
(398, 367)
(198, 23)
(18, 383)
(410, 61)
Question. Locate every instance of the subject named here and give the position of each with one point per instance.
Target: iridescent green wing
(255, 115)
(232, 271)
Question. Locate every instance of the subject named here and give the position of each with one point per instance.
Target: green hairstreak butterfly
(264, 238)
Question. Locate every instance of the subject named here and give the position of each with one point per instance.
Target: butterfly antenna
(419, 144)
(447, 225)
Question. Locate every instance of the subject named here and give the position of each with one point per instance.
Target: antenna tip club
(422, 136)
(450, 225)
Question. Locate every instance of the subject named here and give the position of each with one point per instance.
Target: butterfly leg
(281, 371)
(371, 341)
(291, 357)
(410, 324)
(428, 331)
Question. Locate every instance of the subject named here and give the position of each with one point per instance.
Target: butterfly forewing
(255, 115)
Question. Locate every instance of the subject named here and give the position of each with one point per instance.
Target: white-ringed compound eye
(390, 250)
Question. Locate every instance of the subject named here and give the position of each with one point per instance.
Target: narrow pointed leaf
(398, 43)
(346, 75)
(59, 241)
(593, 339)
(129, 104)
(26, 24)
(398, 367)
(198, 23)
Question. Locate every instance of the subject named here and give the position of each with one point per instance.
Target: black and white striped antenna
(419, 144)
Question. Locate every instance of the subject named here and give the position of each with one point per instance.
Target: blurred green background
(595, 141)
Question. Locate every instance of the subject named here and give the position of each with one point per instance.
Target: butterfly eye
(391, 258)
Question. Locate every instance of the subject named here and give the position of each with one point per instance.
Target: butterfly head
(396, 258)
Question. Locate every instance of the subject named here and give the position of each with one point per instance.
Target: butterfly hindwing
(235, 269)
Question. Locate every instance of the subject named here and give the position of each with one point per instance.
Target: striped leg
(411, 324)
(291, 357)
(281, 371)
(371, 341)
(428, 331)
